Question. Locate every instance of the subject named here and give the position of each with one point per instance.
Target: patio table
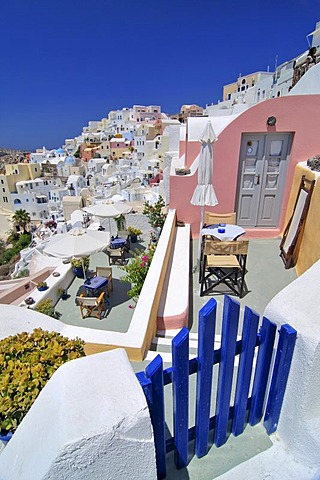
(95, 285)
(231, 232)
(118, 242)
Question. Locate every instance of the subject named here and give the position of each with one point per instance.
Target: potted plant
(80, 265)
(41, 286)
(63, 294)
(46, 307)
(183, 171)
(155, 213)
(28, 360)
(29, 300)
(134, 234)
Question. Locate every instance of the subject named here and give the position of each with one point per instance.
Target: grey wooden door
(262, 173)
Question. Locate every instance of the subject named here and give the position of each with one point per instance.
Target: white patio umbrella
(204, 193)
(108, 210)
(77, 243)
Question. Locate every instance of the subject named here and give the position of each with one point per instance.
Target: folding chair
(92, 306)
(116, 255)
(213, 218)
(107, 273)
(223, 263)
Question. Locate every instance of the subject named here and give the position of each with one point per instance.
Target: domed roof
(70, 160)
(60, 150)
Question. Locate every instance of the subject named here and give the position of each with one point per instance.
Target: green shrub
(46, 306)
(28, 360)
(9, 254)
(24, 241)
(80, 262)
(136, 271)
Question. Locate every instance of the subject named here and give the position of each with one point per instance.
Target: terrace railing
(264, 359)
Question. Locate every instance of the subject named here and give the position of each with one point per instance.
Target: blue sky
(65, 62)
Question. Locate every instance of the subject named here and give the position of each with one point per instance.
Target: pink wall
(299, 115)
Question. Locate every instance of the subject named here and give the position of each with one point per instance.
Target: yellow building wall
(310, 246)
(21, 172)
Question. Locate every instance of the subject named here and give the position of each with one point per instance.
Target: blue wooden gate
(246, 408)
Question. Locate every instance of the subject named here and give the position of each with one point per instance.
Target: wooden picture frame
(293, 233)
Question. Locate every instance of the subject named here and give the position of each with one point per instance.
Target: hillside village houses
(139, 143)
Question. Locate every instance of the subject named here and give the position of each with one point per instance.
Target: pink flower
(142, 264)
(145, 258)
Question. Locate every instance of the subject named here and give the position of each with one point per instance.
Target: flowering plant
(136, 271)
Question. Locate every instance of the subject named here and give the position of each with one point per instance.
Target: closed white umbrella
(79, 242)
(204, 193)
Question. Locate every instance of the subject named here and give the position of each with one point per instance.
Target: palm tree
(22, 218)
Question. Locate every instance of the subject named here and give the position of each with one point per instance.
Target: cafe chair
(116, 256)
(106, 272)
(214, 218)
(92, 306)
(223, 263)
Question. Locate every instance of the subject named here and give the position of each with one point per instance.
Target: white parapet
(90, 421)
(299, 426)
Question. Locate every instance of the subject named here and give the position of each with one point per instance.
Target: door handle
(257, 179)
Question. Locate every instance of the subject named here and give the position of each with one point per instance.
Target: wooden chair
(224, 263)
(116, 256)
(214, 218)
(92, 306)
(106, 272)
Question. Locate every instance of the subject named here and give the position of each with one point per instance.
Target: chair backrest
(122, 233)
(104, 271)
(89, 301)
(213, 218)
(235, 247)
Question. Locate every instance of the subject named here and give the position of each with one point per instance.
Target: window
(4, 190)
(2, 181)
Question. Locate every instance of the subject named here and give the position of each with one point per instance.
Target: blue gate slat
(206, 332)
(180, 388)
(154, 371)
(286, 344)
(249, 337)
(228, 346)
(267, 336)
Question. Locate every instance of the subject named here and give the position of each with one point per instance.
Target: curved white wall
(91, 421)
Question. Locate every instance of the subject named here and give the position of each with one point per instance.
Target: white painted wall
(89, 422)
(299, 426)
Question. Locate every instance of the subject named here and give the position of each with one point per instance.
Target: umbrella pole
(84, 272)
(197, 266)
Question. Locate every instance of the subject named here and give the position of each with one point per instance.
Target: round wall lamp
(271, 121)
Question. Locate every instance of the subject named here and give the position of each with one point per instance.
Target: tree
(22, 218)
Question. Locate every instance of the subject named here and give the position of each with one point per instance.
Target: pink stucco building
(254, 161)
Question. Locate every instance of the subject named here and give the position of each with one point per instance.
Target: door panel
(263, 160)
(251, 156)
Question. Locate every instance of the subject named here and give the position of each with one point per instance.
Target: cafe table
(95, 285)
(224, 232)
(118, 242)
